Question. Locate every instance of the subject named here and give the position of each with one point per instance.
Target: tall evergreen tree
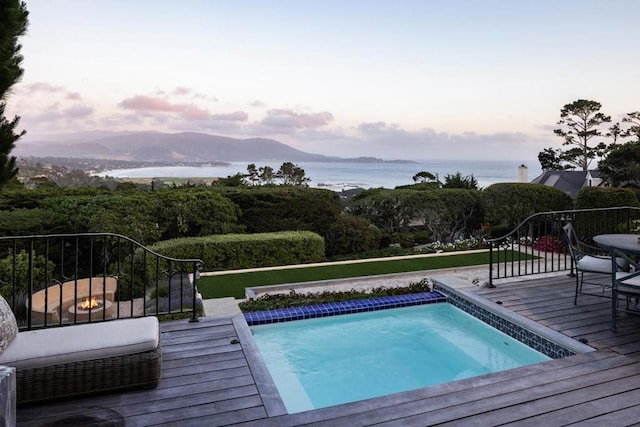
(633, 131)
(580, 122)
(13, 24)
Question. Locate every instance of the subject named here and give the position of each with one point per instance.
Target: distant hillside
(162, 147)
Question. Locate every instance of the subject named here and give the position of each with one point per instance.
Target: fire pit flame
(88, 304)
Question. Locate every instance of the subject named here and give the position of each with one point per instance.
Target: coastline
(338, 176)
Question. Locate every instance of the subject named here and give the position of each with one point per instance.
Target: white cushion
(601, 265)
(55, 346)
(633, 281)
(8, 325)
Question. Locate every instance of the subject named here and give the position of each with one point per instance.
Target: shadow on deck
(209, 379)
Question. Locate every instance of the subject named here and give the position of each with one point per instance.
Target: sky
(396, 79)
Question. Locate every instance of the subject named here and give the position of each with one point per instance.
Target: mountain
(163, 147)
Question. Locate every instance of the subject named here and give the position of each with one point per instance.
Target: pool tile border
(547, 341)
(525, 336)
(342, 307)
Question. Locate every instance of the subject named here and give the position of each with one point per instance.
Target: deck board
(208, 379)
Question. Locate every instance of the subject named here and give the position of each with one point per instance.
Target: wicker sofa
(81, 359)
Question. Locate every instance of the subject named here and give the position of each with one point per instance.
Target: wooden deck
(209, 379)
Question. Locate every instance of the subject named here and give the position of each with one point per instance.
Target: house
(570, 181)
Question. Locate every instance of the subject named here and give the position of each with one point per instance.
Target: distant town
(101, 165)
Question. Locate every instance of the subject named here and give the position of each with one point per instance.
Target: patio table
(625, 242)
(628, 243)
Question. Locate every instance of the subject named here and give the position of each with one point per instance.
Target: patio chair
(595, 262)
(627, 285)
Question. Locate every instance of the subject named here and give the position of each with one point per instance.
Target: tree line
(590, 135)
(288, 174)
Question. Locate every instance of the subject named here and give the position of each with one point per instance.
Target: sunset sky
(392, 79)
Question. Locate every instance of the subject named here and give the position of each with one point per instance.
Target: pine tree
(580, 122)
(13, 24)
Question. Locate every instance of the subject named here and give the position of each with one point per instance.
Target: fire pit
(91, 306)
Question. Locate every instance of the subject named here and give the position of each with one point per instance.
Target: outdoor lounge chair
(72, 361)
(595, 262)
(627, 285)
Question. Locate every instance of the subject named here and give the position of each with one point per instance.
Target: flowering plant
(550, 244)
(459, 245)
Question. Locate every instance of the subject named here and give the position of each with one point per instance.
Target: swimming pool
(327, 361)
(544, 340)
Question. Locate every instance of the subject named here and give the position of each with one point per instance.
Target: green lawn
(232, 285)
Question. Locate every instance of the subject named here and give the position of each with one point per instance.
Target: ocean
(347, 175)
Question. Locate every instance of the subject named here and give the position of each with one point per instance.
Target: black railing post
(29, 282)
(491, 265)
(196, 274)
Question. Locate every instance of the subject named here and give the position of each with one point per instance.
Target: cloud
(143, 103)
(117, 121)
(37, 88)
(236, 116)
(77, 111)
(288, 121)
(371, 127)
(181, 90)
(42, 87)
(73, 96)
(55, 113)
(49, 108)
(392, 140)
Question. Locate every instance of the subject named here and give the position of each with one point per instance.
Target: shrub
(193, 212)
(293, 299)
(449, 213)
(285, 208)
(605, 197)
(511, 203)
(171, 295)
(237, 251)
(25, 222)
(16, 291)
(458, 245)
(550, 244)
(349, 235)
(405, 240)
(422, 237)
(465, 211)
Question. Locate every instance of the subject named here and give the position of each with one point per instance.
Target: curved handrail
(525, 258)
(141, 271)
(568, 211)
(64, 235)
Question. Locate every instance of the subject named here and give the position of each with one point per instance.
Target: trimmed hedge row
(239, 251)
(283, 208)
(510, 203)
(606, 197)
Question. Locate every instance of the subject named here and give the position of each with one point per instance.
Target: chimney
(523, 173)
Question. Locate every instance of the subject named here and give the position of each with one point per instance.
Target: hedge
(239, 251)
(282, 208)
(605, 197)
(510, 203)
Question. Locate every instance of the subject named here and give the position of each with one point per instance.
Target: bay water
(339, 176)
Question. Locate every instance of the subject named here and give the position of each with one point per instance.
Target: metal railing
(538, 245)
(48, 280)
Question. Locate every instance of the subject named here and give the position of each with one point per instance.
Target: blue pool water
(327, 361)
